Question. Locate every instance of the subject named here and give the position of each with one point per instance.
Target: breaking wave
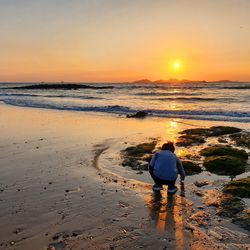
(215, 115)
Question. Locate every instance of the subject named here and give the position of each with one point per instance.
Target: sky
(124, 40)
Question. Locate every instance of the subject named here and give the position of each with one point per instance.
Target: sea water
(221, 101)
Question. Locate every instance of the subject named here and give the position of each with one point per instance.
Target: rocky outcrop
(63, 86)
(139, 114)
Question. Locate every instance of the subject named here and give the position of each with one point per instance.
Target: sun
(176, 65)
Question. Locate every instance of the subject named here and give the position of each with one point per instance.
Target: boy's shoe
(173, 190)
(157, 188)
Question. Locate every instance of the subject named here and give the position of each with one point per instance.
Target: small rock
(200, 217)
(215, 235)
(51, 248)
(199, 193)
(201, 183)
(139, 114)
(200, 207)
(74, 234)
(55, 237)
(17, 231)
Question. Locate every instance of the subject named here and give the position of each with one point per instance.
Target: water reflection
(169, 213)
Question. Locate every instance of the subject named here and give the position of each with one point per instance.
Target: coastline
(54, 194)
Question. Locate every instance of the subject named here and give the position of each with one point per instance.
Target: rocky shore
(225, 158)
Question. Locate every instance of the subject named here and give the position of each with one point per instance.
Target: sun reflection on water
(171, 131)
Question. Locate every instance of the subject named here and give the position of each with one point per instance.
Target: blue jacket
(165, 165)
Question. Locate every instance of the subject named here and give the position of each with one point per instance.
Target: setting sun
(176, 65)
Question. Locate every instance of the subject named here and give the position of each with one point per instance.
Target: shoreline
(181, 120)
(53, 195)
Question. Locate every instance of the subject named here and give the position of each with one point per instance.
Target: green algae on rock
(241, 139)
(239, 187)
(230, 205)
(243, 220)
(196, 131)
(225, 165)
(233, 206)
(223, 130)
(212, 131)
(191, 168)
(140, 149)
(190, 140)
(219, 150)
(197, 136)
(138, 156)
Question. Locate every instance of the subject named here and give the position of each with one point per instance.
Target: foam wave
(164, 94)
(29, 95)
(192, 99)
(116, 109)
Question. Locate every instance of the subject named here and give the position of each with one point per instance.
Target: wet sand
(59, 190)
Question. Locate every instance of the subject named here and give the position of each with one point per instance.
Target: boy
(164, 168)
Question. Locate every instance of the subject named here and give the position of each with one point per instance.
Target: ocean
(221, 101)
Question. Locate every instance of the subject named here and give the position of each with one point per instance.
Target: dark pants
(160, 182)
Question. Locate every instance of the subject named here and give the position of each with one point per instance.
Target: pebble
(201, 183)
(51, 248)
(199, 193)
(215, 235)
(200, 207)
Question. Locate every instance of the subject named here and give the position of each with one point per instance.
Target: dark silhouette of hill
(67, 86)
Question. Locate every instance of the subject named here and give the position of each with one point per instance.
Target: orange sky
(104, 40)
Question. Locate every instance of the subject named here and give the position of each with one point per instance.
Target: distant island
(173, 80)
(64, 86)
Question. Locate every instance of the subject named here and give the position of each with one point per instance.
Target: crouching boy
(164, 168)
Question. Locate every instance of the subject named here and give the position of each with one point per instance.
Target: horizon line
(134, 81)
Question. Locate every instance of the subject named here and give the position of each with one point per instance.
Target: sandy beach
(124, 125)
(61, 187)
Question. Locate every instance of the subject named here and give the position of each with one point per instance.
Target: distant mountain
(143, 81)
(173, 80)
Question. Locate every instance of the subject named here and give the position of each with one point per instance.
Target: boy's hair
(168, 146)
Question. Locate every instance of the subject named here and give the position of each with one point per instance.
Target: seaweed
(239, 187)
(225, 165)
(219, 150)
